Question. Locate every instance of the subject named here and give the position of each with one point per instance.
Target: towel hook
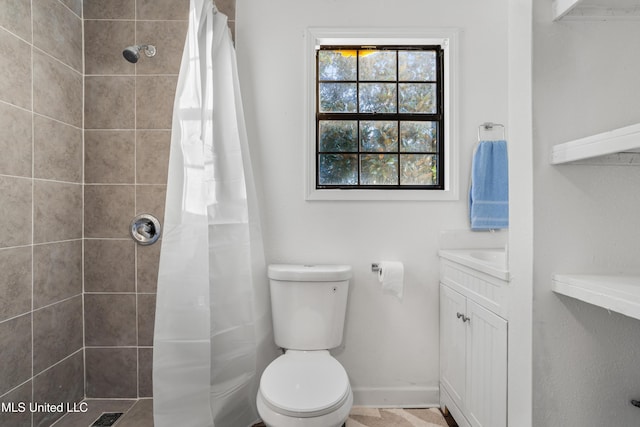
(488, 127)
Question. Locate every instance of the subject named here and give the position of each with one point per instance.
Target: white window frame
(447, 39)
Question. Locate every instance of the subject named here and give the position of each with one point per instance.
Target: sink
(491, 256)
(492, 261)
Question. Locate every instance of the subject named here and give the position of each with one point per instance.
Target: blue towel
(489, 195)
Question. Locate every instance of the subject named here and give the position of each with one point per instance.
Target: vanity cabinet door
(486, 388)
(452, 343)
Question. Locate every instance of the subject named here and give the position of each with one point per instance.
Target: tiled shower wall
(67, 196)
(41, 173)
(128, 111)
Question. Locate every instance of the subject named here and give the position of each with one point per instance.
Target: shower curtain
(213, 327)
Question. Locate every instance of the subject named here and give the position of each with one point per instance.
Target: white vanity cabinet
(473, 346)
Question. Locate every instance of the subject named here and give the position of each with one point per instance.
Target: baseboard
(397, 397)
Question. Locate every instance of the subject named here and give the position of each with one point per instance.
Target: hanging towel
(489, 194)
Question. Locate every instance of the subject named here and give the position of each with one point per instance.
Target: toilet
(306, 386)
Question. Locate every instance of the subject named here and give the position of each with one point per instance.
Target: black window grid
(437, 117)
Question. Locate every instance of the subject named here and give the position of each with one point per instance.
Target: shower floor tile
(133, 410)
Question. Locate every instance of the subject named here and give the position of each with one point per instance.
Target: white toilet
(306, 386)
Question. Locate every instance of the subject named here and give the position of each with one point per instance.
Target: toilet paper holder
(375, 267)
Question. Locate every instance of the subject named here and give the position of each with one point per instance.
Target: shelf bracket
(562, 7)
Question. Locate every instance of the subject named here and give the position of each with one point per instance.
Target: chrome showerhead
(132, 53)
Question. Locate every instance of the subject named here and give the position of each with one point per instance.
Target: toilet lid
(304, 383)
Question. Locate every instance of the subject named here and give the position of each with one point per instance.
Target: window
(379, 114)
(379, 117)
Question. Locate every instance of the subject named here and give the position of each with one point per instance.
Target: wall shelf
(620, 147)
(616, 293)
(600, 10)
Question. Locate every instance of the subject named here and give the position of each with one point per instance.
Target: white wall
(390, 348)
(586, 221)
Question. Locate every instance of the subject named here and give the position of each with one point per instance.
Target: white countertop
(614, 292)
(490, 261)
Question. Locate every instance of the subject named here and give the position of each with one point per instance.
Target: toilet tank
(308, 304)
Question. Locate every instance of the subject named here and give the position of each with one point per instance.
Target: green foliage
(364, 149)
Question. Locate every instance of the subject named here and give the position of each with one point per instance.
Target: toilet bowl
(304, 389)
(306, 386)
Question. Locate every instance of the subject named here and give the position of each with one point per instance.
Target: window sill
(381, 195)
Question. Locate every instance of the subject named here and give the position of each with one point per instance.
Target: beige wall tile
(110, 320)
(64, 382)
(57, 211)
(108, 210)
(75, 6)
(109, 265)
(104, 42)
(228, 7)
(15, 357)
(15, 16)
(15, 282)
(109, 102)
(145, 372)
(17, 419)
(57, 332)
(112, 9)
(152, 156)
(57, 90)
(15, 69)
(162, 9)
(57, 271)
(168, 37)
(111, 372)
(58, 31)
(15, 141)
(57, 150)
(146, 318)
(109, 157)
(151, 199)
(147, 267)
(15, 211)
(154, 101)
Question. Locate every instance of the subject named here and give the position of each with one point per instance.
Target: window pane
(338, 135)
(378, 98)
(418, 169)
(379, 135)
(419, 136)
(418, 98)
(377, 65)
(338, 97)
(337, 64)
(416, 66)
(379, 169)
(338, 169)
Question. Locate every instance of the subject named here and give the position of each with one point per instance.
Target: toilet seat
(305, 384)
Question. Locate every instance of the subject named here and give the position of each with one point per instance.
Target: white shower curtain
(213, 327)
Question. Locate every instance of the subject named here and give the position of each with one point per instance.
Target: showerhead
(132, 53)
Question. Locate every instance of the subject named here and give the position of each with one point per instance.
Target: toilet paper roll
(391, 275)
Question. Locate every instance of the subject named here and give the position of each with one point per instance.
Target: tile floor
(139, 413)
